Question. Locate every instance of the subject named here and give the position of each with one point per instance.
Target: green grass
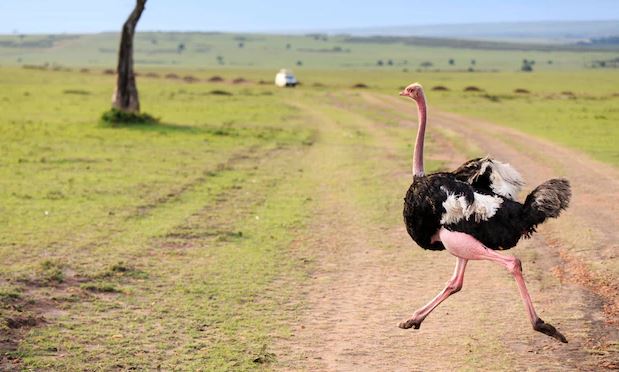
(169, 243)
(80, 201)
(157, 50)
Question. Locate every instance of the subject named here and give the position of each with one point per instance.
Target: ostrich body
(472, 212)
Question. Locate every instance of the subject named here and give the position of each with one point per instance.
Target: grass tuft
(100, 287)
(50, 272)
(117, 117)
(118, 271)
(264, 356)
(9, 295)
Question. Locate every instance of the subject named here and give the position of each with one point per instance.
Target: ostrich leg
(453, 285)
(467, 247)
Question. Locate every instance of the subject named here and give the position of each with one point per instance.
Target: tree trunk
(126, 94)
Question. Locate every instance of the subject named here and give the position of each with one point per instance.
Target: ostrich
(472, 212)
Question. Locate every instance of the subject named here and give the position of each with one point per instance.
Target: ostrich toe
(549, 330)
(410, 323)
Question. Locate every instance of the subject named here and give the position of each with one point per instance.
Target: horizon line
(308, 30)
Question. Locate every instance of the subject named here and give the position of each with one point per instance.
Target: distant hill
(543, 32)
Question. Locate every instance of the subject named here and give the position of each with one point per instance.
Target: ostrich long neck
(421, 132)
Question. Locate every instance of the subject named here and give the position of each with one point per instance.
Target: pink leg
(466, 247)
(453, 285)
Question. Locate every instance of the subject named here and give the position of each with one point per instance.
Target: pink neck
(421, 131)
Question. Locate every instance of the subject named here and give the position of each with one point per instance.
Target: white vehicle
(285, 78)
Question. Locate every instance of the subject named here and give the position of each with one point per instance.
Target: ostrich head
(414, 91)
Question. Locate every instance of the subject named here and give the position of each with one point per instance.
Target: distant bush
(216, 79)
(440, 88)
(190, 79)
(218, 92)
(472, 88)
(360, 86)
(426, 64)
(117, 117)
(452, 61)
(521, 91)
(527, 66)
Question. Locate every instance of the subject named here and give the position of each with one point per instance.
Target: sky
(87, 16)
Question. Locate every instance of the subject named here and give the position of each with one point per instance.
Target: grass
(81, 200)
(159, 50)
(154, 246)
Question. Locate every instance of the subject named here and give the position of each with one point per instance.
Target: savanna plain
(255, 227)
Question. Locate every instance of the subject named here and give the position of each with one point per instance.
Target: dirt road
(368, 275)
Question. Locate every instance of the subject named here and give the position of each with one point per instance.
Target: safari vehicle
(285, 78)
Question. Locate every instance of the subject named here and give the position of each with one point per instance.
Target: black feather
(423, 209)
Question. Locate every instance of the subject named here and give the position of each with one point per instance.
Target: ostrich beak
(404, 94)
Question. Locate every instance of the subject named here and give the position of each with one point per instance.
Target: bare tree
(126, 94)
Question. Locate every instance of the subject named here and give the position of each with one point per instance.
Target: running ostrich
(472, 212)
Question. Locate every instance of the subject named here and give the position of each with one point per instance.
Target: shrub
(472, 88)
(117, 117)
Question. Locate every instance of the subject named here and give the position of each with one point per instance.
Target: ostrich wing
(462, 202)
(486, 174)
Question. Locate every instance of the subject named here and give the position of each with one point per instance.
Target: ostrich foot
(410, 323)
(549, 330)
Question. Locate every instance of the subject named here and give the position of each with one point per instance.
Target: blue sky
(53, 16)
